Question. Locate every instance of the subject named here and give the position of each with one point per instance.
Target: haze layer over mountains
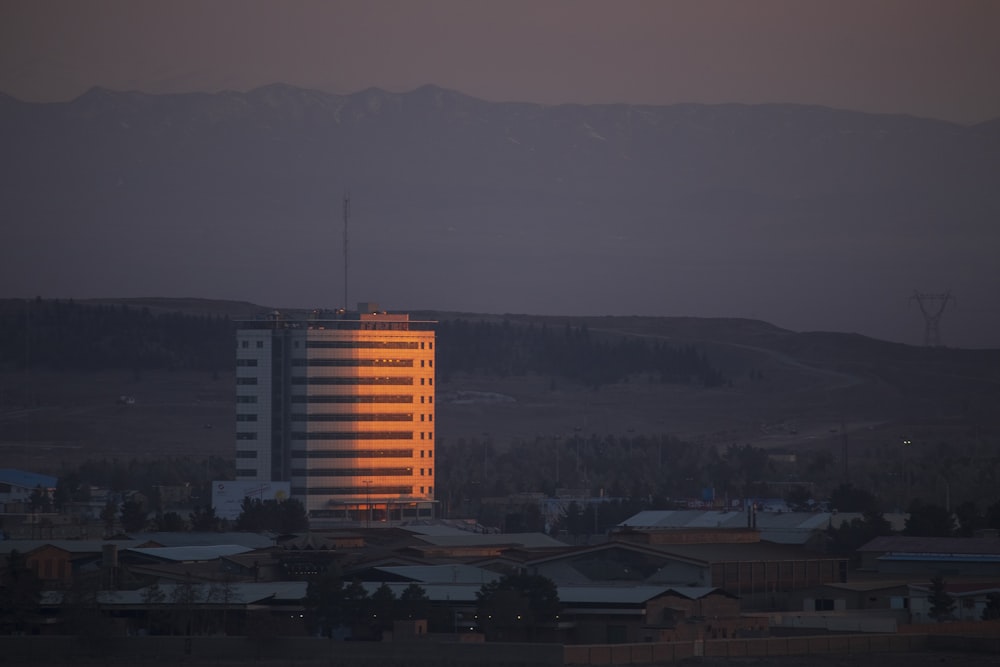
(807, 217)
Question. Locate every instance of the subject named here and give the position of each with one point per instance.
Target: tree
(153, 599)
(851, 535)
(413, 602)
(39, 500)
(384, 608)
(942, 604)
(203, 519)
(282, 516)
(171, 522)
(133, 515)
(928, 521)
(81, 609)
(970, 519)
(109, 515)
(184, 600)
(514, 605)
(572, 519)
(849, 498)
(324, 595)
(20, 594)
(991, 611)
(798, 498)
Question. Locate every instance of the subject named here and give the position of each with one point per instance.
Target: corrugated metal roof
(941, 558)
(252, 540)
(192, 553)
(27, 480)
(528, 540)
(443, 574)
(72, 546)
(236, 593)
(676, 519)
(934, 545)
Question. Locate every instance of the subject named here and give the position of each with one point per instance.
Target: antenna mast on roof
(347, 215)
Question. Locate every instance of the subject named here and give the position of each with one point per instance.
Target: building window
(430, 346)
(430, 454)
(430, 418)
(430, 490)
(246, 436)
(431, 363)
(244, 344)
(260, 345)
(246, 399)
(246, 380)
(246, 454)
(421, 453)
(246, 472)
(421, 380)
(421, 489)
(430, 399)
(246, 418)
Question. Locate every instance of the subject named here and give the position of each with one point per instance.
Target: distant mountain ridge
(599, 208)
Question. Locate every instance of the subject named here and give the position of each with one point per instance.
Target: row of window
(357, 398)
(355, 417)
(364, 344)
(356, 490)
(356, 363)
(368, 472)
(243, 454)
(351, 344)
(354, 380)
(345, 435)
(356, 454)
(352, 435)
(246, 418)
(246, 399)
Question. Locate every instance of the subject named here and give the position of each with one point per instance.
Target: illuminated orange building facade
(340, 406)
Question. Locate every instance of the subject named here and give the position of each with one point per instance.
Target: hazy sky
(934, 58)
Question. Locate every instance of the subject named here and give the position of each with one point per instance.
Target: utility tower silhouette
(932, 307)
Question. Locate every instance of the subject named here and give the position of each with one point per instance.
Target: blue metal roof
(27, 480)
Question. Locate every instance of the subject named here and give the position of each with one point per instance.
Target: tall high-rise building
(341, 406)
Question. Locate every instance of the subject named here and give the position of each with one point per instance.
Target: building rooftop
(937, 546)
(26, 480)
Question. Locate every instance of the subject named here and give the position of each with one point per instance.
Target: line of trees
(65, 335)
(509, 349)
